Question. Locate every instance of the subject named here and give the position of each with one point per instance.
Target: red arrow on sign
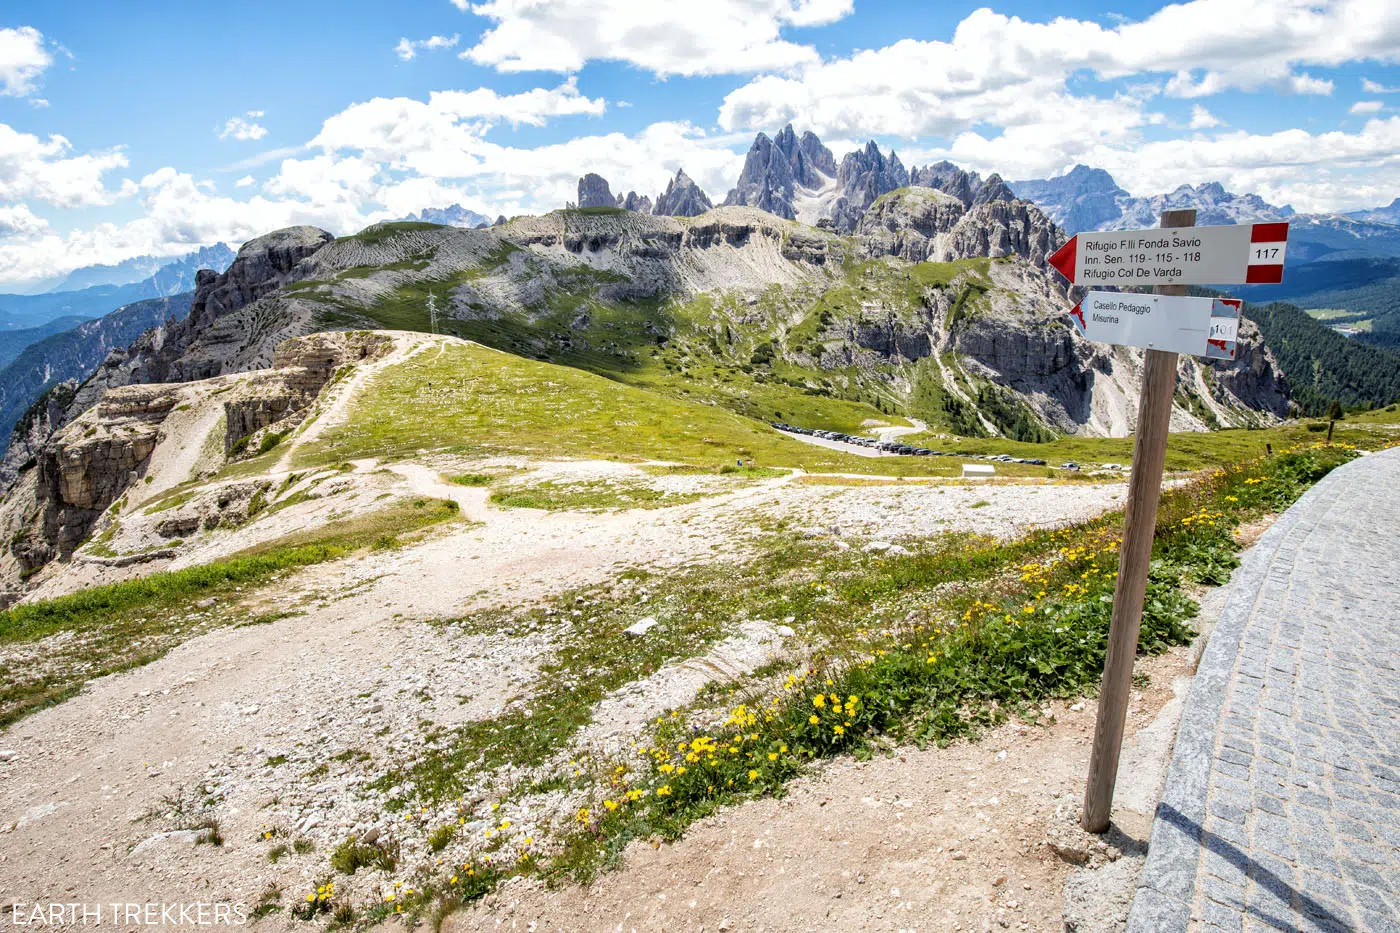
(1064, 258)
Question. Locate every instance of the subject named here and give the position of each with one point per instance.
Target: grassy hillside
(475, 400)
(768, 356)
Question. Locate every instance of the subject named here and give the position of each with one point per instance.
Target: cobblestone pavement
(1282, 805)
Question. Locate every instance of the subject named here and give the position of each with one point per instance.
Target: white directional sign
(1199, 326)
(1233, 255)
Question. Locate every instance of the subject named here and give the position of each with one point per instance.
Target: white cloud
(32, 168)
(408, 48)
(997, 69)
(666, 37)
(1375, 87)
(1367, 107)
(17, 220)
(23, 60)
(245, 182)
(1315, 172)
(244, 128)
(393, 128)
(1203, 119)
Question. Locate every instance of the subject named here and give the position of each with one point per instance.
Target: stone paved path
(1282, 806)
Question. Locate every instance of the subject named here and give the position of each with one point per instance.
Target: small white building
(978, 471)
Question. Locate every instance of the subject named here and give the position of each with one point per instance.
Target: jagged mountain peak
(682, 198)
(993, 189)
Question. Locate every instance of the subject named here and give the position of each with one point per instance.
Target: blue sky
(176, 125)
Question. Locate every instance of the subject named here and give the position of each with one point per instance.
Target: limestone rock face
(906, 222)
(921, 224)
(196, 347)
(1254, 378)
(638, 204)
(44, 417)
(593, 191)
(682, 198)
(864, 175)
(88, 465)
(950, 179)
(993, 189)
(1001, 228)
(85, 467)
(775, 169)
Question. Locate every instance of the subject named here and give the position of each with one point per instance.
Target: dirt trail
(360, 669)
(334, 403)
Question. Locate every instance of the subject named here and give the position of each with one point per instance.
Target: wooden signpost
(1165, 324)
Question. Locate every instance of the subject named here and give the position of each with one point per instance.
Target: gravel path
(1282, 808)
(360, 673)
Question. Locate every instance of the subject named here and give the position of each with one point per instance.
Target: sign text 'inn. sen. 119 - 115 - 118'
(1244, 253)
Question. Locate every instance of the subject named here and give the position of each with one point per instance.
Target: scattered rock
(641, 626)
(1070, 842)
(180, 837)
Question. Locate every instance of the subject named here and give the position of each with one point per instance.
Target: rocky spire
(948, 178)
(682, 198)
(863, 176)
(993, 189)
(774, 168)
(638, 204)
(593, 191)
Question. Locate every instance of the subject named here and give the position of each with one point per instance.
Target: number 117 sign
(1234, 255)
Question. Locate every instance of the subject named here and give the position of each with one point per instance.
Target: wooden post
(1139, 525)
(1330, 426)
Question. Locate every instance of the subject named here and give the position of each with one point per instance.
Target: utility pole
(1135, 554)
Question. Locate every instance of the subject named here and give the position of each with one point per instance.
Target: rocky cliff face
(782, 173)
(682, 198)
(85, 467)
(204, 344)
(74, 355)
(948, 178)
(633, 202)
(45, 416)
(593, 191)
(921, 224)
(864, 175)
(994, 189)
(907, 222)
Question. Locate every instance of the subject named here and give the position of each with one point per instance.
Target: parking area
(875, 447)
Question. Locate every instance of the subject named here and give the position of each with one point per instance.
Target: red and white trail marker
(1234, 255)
(1199, 326)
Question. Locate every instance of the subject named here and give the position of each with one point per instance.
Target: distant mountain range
(1087, 198)
(798, 178)
(1380, 215)
(19, 312)
(454, 215)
